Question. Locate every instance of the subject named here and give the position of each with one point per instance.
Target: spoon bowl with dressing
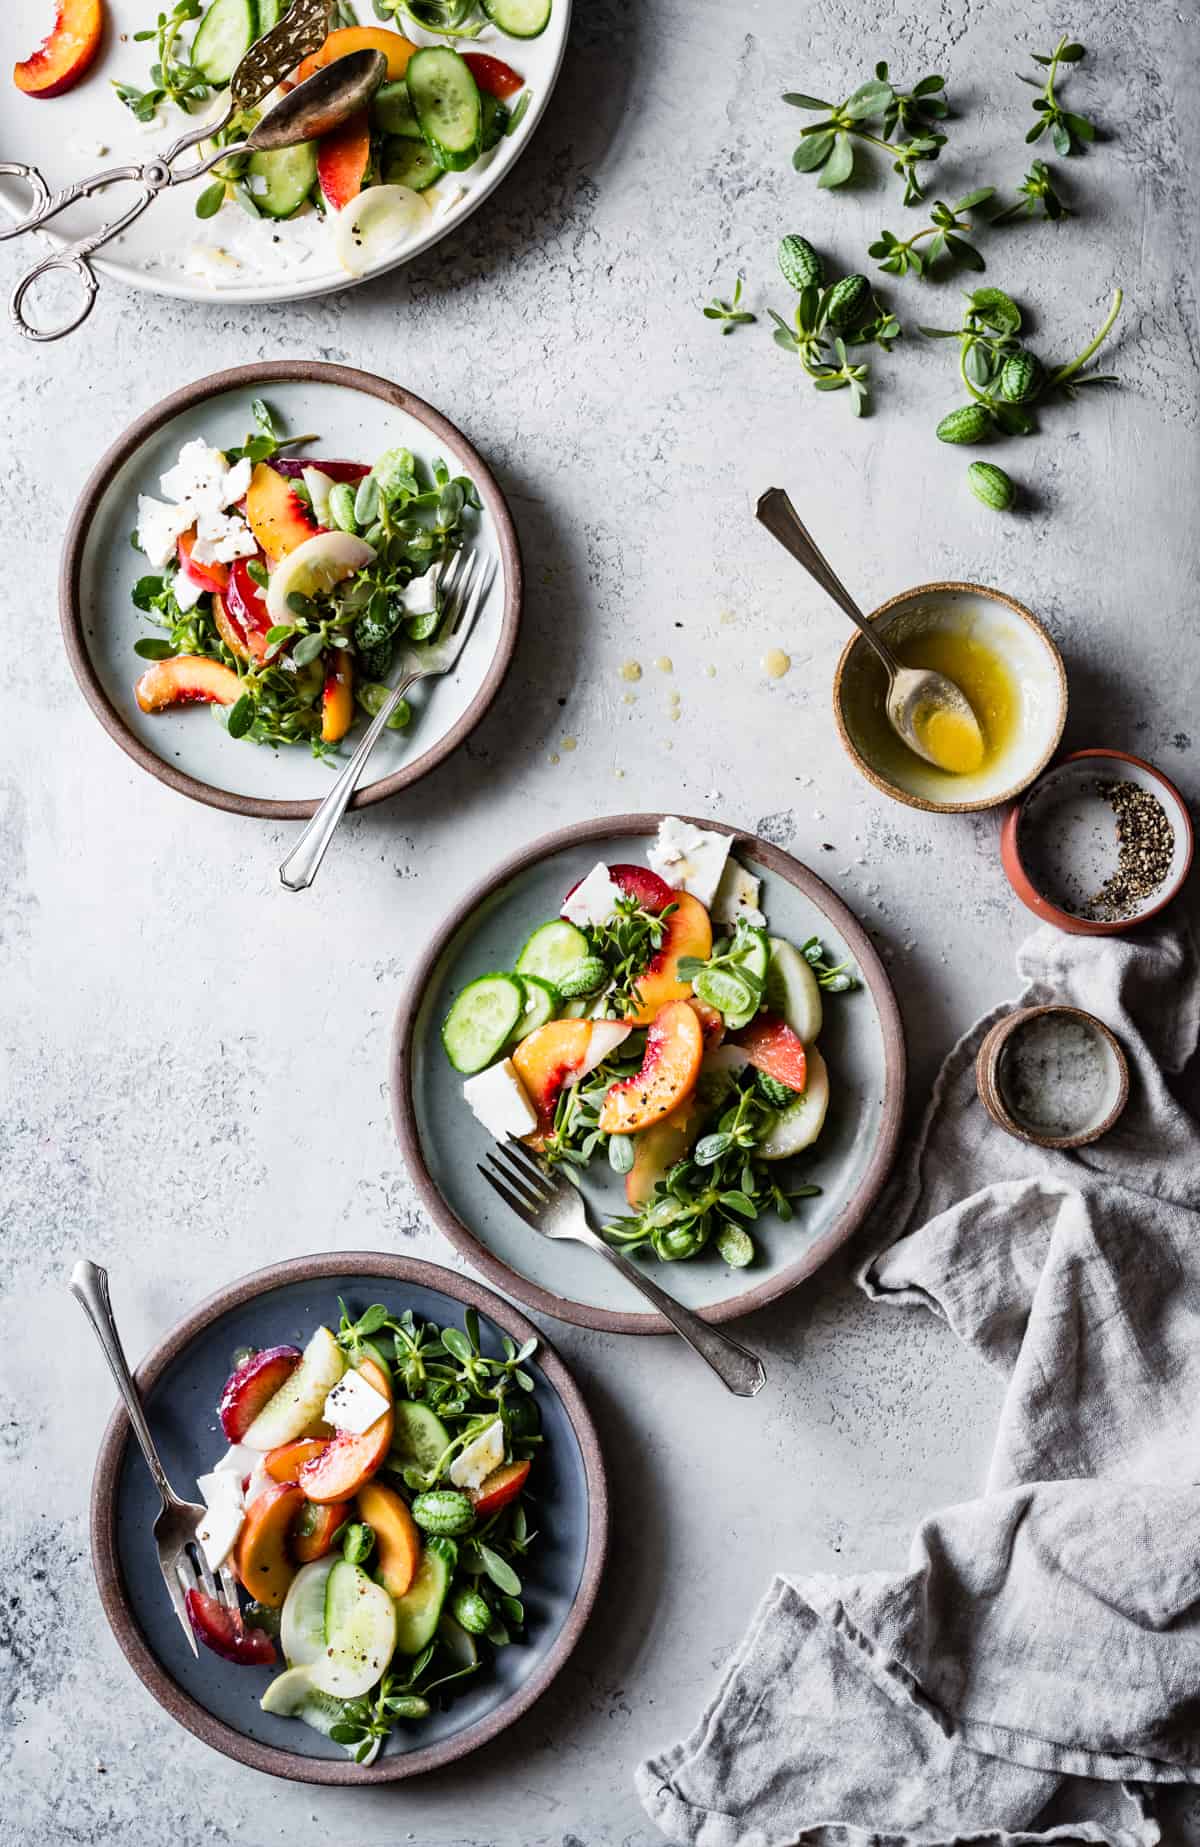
(926, 708)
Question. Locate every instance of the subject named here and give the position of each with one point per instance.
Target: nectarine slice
(279, 521)
(395, 48)
(64, 55)
(286, 1462)
(260, 1557)
(688, 933)
(213, 576)
(674, 1048)
(346, 1463)
(187, 679)
(499, 1488)
(343, 157)
(314, 1528)
(772, 1047)
(337, 698)
(229, 629)
(397, 1536)
(657, 1149)
(544, 1061)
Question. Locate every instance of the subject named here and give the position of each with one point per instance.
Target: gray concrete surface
(195, 1061)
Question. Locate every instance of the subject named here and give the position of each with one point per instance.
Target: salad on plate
(656, 1025)
(282, 584)
(372, 1504)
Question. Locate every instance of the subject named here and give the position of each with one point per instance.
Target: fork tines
(521, 1183)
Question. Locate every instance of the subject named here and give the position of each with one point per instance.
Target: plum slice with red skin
(293, 467)
(251, 1385)
(214, 1624)
(651, 892)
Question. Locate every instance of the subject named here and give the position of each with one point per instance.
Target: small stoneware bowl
(180, 1383)
(355, 415)
(1054, 1076)
(1059, 844)
(1039, 684)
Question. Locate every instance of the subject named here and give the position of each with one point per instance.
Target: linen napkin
(1036, 1669)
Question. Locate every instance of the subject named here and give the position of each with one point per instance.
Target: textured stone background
(195, 1079)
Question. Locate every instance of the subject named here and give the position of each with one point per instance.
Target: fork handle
(89, 1286)
(739, 1370)
(300, 867)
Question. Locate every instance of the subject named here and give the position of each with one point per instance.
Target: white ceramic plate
(357, 416)
(169, 250)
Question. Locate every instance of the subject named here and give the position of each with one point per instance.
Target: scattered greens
(827, 321)
(829, 975)
(1035, 192)
(828, 146)
(729, 313)
(1069, 132)
(1004, 379)
(899, 256)
(623, 947)
(173, 76)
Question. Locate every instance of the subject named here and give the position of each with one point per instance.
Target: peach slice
(545, 1061)
(395, 48)
(279, 521)
(315, 1526)
(712, 1023)
(659, 1147)
(63, 56)
(499, 1488)
(228, 628)
(337, 698)
(346, 1463)
(674, 1048)
(772, 1047)
(688, 933)
(397, 1537)
(250, 1385)
(286, 1462)
(187, 679)
(208, 576)
(343, 157)
(260, 1557)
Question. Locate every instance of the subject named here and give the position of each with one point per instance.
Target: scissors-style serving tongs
(311, 109)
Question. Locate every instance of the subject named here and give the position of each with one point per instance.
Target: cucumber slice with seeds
(419, 1610)
(414, 164)
(270, 12)
(279, 180)
(445, 100)
(519, 18)
(225, 35)
(542, 1002)
(481, 1022)
(392, 110)
(792, 991)
(553, 951)
(418, 1435)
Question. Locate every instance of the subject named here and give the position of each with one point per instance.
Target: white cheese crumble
(217, 1533)
(499, 1101)
(737, 897)
(691, 859)
(420, 597)
(200, 489)
(484, 1453)
(354, 1405)
(594, 900)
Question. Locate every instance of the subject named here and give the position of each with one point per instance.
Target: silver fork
(552, 1206)
(180, 1558)
(465, 586)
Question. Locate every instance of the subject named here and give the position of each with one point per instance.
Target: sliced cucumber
(302, 1624)
(270, 12)
(553, 951)
(792, 990)
(360, 1633)
(418, 1435)
(288, 1692)
(493, 122)
(279, 180)
(724, 989)
(481, 1021)
(414, 164)
(542, 1003)
(419, 1610)
(519, 18)
(798, 1126)
(223, 38)
(393, 113)
(752, 953)
(445, 100)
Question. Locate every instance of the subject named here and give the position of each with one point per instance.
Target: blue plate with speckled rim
(180, 1383)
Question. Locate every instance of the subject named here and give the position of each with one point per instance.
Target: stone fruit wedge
(321, 562)
(279, 521)
(674, 1048)
(798, 1126)
(689, 933)
(546, 1060)
(397, 1537)
(298, 1404)
(63, 57)
(348, 1461)
(657, 1149)
(251, 1386)
(187, 679)
(395, 48)
(773, 1048)
(261, 1557)
(343, 157)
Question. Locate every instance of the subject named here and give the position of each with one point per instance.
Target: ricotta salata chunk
(594, 899)
(737, 897)
(689, 858)
(218, 1532)
(483, 1454)
(354, 1405)
(200, 490)
(500, 1101)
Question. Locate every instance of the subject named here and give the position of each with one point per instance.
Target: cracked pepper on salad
(285, 584)
(625, 1032)
(372, 1505)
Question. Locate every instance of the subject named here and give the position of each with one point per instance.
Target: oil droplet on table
(569, 743)
(727, 618)
(554, 757)
(628, 698)
(665, 664)
(776, 663)
(711, 671)
(631, 670)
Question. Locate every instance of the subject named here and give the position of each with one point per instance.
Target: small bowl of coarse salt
(1052, 1075)
(1099, 843)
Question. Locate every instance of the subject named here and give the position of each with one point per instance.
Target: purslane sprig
(827, 146)
(1036, 192)
(826, 322)
(1069, 131)
(900, 255)
(730, 313)
(173, 76)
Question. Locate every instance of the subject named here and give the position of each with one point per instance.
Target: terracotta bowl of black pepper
(1100, 843)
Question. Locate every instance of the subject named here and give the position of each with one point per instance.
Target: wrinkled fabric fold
(1036, 1669)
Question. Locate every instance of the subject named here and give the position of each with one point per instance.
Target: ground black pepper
(1145, 849)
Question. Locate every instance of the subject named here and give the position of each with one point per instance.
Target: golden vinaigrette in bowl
(1004, 661)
